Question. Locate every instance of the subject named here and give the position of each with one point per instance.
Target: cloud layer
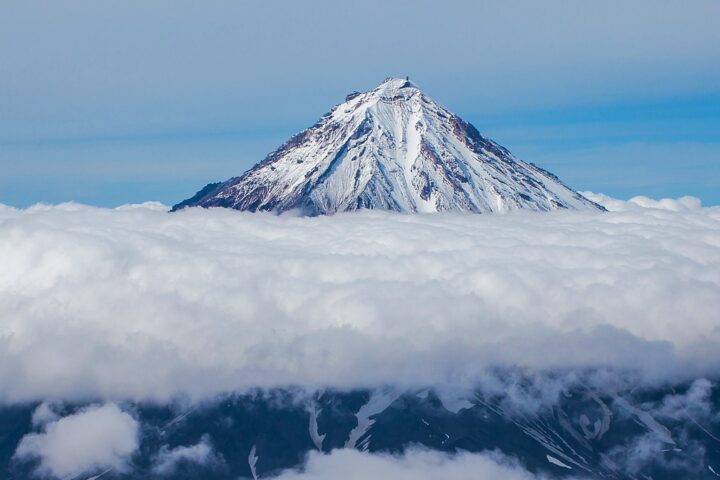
(137, 303)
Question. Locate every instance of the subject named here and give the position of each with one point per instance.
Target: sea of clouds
(136, 303)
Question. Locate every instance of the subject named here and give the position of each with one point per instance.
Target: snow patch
(557, 462)
(379, 401)
(252, 462)
(313, 427)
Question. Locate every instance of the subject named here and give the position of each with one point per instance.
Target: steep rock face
(392, 148)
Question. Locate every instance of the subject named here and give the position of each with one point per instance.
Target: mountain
(661, 433)
(392, 148)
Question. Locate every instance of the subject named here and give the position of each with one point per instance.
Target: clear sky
(111, 102)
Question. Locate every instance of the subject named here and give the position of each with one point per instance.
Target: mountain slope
(392, 148)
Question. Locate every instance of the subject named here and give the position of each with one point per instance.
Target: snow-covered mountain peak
(391, 91)
(391, 148)
(395, 86)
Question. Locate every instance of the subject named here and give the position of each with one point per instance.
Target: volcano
(392, 148)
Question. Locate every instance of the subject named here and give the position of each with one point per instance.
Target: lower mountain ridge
(585, 433)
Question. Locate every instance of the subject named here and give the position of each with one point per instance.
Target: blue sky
(125, 101)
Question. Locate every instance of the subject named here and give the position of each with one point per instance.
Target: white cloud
(44, 414)
(157, 206)
(640, 452)
(413, 465)
(169, 459)
(137, 303)
(640, 202)
(695, 403)
(96, 438)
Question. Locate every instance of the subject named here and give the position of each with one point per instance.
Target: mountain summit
(392, 148)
